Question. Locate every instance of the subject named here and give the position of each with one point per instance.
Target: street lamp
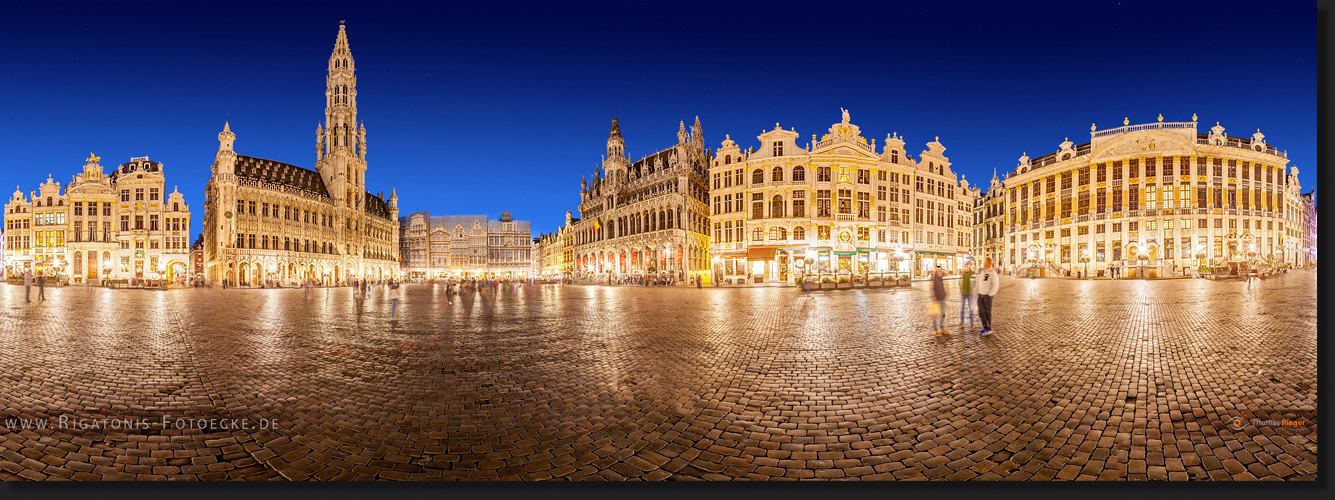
(1084, 257)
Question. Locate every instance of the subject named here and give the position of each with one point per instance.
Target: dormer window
(778, 149)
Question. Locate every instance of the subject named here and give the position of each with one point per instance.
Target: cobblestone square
(1083, 380)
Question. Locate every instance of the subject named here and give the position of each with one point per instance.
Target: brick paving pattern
(1107, 380)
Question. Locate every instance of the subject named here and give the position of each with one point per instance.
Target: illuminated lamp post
(1084, 257)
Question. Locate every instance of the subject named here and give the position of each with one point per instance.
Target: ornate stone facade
(553, 255)
(1159, 198)
(118, 226)
(645, 217)
(835, 206)
(267, 222)
(465, 246)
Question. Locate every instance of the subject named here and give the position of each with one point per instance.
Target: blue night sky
(479, 107)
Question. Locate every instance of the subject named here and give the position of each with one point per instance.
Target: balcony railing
(1146, 126)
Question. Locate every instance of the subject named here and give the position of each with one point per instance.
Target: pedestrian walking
(966, 295)
(699, 283)
(989, 281)
(937, 310)
(27, 286)
(395, 292)
(41, 288)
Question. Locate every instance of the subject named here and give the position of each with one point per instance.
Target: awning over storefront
(761, 253)
(939, 254)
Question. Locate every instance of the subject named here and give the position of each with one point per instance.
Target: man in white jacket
(989, 280)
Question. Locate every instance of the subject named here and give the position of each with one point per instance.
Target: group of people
(28, 278)
(988, 281)
(646, 280)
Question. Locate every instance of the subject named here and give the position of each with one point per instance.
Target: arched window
(774, 233)
(783, 234)
(757, 176)
(799, 233)
(799, 174)
(776, 206)
(727, 159)
(662, 220)
(756, 235)
(777, 174)
(669, 219)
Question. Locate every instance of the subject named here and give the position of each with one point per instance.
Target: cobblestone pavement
(1081, 381)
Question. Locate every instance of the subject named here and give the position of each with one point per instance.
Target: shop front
(927, 262)
(761, 264)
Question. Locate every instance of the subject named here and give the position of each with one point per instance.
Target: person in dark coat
(939, 296)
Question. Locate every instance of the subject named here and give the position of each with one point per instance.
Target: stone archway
(244, 274)
(175, 270)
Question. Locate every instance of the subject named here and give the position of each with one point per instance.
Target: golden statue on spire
(92, 158)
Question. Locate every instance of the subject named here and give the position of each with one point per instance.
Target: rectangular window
(153, 194)
(78, 208)
(1232, 198)
(1184, 166)
(864, 176)
(880, 214)
(1150, 167)
(1066, 180)
(138, 222)
(1066, 232)
(1099, 229)
(1117, 199)
(1100, 201)
(1133, 226)
(152, 223)
(1102, 170)
(139, 194)
(799, 208)
(845, 201)
(880, 193)
(1218, 167)
(822, 174)
(1117, 170)
(1066, 206)
(822, 203)
(1133, 198)
(1084, 176)
(1117, 227)
(1219, 197)
(864, 205)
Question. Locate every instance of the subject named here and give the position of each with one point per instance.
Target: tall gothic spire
(341, 97)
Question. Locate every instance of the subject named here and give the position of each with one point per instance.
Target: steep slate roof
(260, 169)
(376, 206)
(310, 181)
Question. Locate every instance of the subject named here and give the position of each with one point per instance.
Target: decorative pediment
(1148, 142)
